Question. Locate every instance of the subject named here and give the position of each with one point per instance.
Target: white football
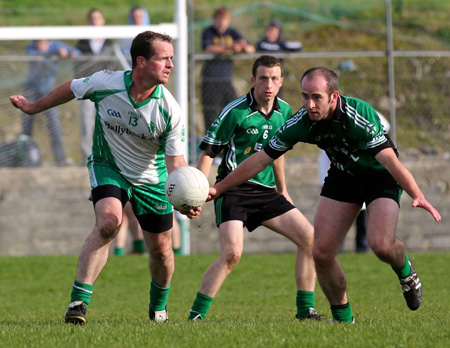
(186, 188)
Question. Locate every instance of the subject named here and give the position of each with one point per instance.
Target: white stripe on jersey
(231, 156)
(363, 123)
(209, 140)
(376, 141)
(231, 106)
(296, 118)
(359, 120)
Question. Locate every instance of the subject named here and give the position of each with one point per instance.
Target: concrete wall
(45, 211)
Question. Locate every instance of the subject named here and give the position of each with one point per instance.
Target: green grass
(255, 307)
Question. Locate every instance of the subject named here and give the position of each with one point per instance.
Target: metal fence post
(391, 77)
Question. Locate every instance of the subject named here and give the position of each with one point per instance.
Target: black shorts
(344, 187)
(153, 223)
(251, 210)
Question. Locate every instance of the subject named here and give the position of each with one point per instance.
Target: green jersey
(132, 137)
(351, 139)
(240, 131)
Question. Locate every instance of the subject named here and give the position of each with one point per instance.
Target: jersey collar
(339, 113)
(158, 93)
(254, 104)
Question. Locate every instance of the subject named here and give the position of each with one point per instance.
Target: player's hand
(424, 204)
(192, 213)
(213, 194)
(21, 103)
(287, 196)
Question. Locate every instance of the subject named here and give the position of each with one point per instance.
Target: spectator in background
(217, 73)
(272, 41)
(39, 81)
(91, 47)
(138, 16)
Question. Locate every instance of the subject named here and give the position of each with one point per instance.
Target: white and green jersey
(240, 131)
(129, 136)
(351, 139)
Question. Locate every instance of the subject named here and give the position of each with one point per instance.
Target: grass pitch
(255, 307)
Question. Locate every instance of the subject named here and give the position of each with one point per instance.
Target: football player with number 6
(243, 128)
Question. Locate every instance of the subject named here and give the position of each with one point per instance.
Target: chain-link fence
(421, 92)
(353, 40)
(350, 38)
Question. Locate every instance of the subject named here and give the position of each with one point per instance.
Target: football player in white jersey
(138, 139)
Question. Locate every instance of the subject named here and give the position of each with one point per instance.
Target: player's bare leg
(162, 267)
(95, 251)
(294, 226)
(161, 260)
(231, 238)
(382, 240)
(93, 257)
(331, 223)
(381, 232)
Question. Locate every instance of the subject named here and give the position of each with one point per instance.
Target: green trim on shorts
(218, 203)
(145, 199)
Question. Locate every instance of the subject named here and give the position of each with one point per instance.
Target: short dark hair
(136, 7)
(329, 76)
(142, 45)
(268, 62)
(222, 11)
(91, 11)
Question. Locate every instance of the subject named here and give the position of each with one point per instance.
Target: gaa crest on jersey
(252, 130)
(114, 113)
(371, 129)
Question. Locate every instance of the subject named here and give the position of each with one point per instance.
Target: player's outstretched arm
(60, 95)
(204, 163)
(245, 171)
(406, 180)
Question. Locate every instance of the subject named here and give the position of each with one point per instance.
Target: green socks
(200, 306)
(405, 270)
(158, 296)
(81, 292)
(342, 313)
(305, 301)
(177, 251)
(138, 246)
(119, 251)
